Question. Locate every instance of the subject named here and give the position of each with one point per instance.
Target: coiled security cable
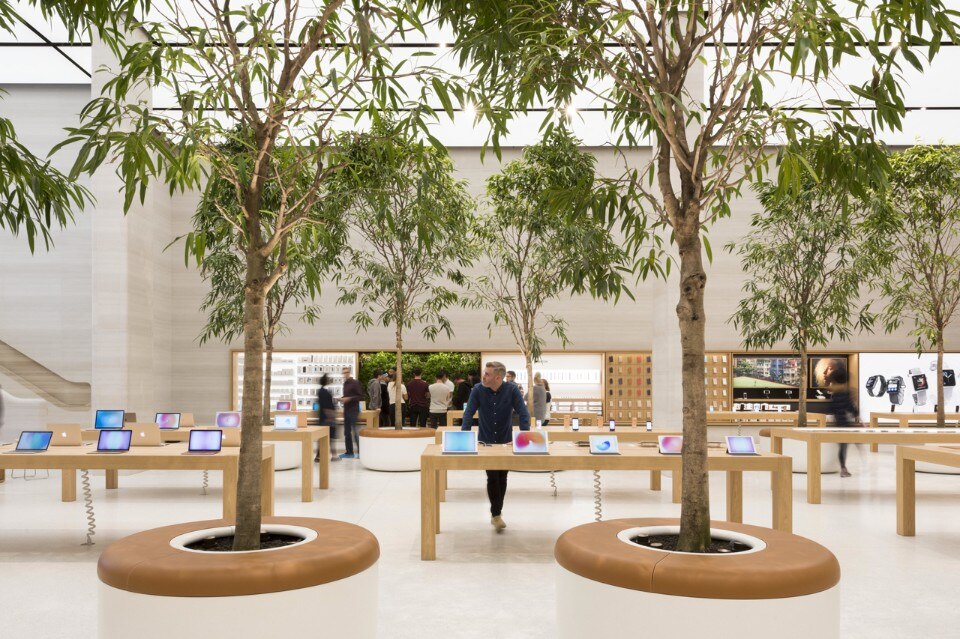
(597, 500)
(206, 481)
(553, 482)
(88, 507)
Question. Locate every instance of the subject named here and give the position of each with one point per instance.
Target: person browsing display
(494, 401)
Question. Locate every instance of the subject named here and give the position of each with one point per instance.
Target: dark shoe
(348, 456)
(844, 472)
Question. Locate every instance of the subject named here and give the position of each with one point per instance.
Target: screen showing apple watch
(876, 385)
(920, 382)
(893, 386)
(949, 377)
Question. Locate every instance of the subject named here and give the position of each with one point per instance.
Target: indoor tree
(921, 282)
(413, 222)
(694, 81)
(313, 251)
(261, 75)
(540, 252)
(805, 258)
(35, 197)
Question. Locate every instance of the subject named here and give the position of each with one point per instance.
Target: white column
(130, 285)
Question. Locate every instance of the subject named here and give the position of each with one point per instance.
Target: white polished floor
(484, 584)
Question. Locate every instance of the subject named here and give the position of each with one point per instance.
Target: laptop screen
(109, 419)
(284, 405)
(168, 421)
(114, 440)
(604, 445)
(530, 441)
(205, 441)
(228, 419)
(34, 440)
(671, 444)
(459, 441)
(741, 445)
(285, 422)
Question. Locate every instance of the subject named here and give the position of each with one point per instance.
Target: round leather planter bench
(151, 589)
(786, 587)
(394, 450)
(829, 454)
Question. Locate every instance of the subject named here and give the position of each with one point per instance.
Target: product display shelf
(628, 387)
(716, 373)
(296, 376)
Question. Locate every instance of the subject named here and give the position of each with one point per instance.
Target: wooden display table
(905, 420)
(561, 434)
(567, 456)
(907, 458)
(370, 418)
(762, 418)
(70, 459)
(815, 437)
(306, 436)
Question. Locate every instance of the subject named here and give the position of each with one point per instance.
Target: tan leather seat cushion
(790, 566)
(146, 563)
(393, 432)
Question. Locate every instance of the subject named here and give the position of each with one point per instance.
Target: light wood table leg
(906, 495)
(113, 479)
(783, 496)
(813, 472)
(306, 469)
(230, 478)
(266, 486)
(3, 475)
(68, 484)
(442, 484)
(655, 480)
(735, 496)
(776, 446)
(676, 477)
(324, 452)
(428, 513)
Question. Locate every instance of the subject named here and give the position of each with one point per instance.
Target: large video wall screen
(766, 377)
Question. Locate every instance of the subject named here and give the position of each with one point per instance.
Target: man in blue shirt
(495, 400)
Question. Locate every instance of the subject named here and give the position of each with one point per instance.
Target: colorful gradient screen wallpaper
(228, 420)
(34, 440)
(205, 440)
(109, 419)
(741, 445)
(671, 444)
(459, 441)
(284, 405)
(114, 440)
(285, 422)
(530, 441)
(604, 445)
(168, 421)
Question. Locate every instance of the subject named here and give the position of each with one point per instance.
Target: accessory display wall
(628, 391)
(296, 376)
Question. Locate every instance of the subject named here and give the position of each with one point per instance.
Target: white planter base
(587, 608)
(286, 455)
(323, 608)
(936, 469)
(392, 453)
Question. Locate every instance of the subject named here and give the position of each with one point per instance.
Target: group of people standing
(421, 404)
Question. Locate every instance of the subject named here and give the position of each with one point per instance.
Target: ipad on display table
(204, 442)
(575, 423)
(459, 442)
(741, 445)
(228, 419)
(285, 422)
(108, 419)
(530, 442)
(670, 444)
(604, 445)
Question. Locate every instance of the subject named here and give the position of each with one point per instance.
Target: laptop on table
(228, 419)
(229, 436)
(66, 434)
(108, 419)
(284, 422)
(205, 441)
(530, 442)
(113, 441)
(146, 435)
(167, 421)
(32, 441)
(459, 442)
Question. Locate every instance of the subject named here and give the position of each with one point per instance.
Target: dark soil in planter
(669, 542)
(225, 544)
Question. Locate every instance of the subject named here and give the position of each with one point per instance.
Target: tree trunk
(802, 406)
(941, 404)
(398, 389)
(695, 499)
(268, 373)
(529, 359)
(247, 536)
